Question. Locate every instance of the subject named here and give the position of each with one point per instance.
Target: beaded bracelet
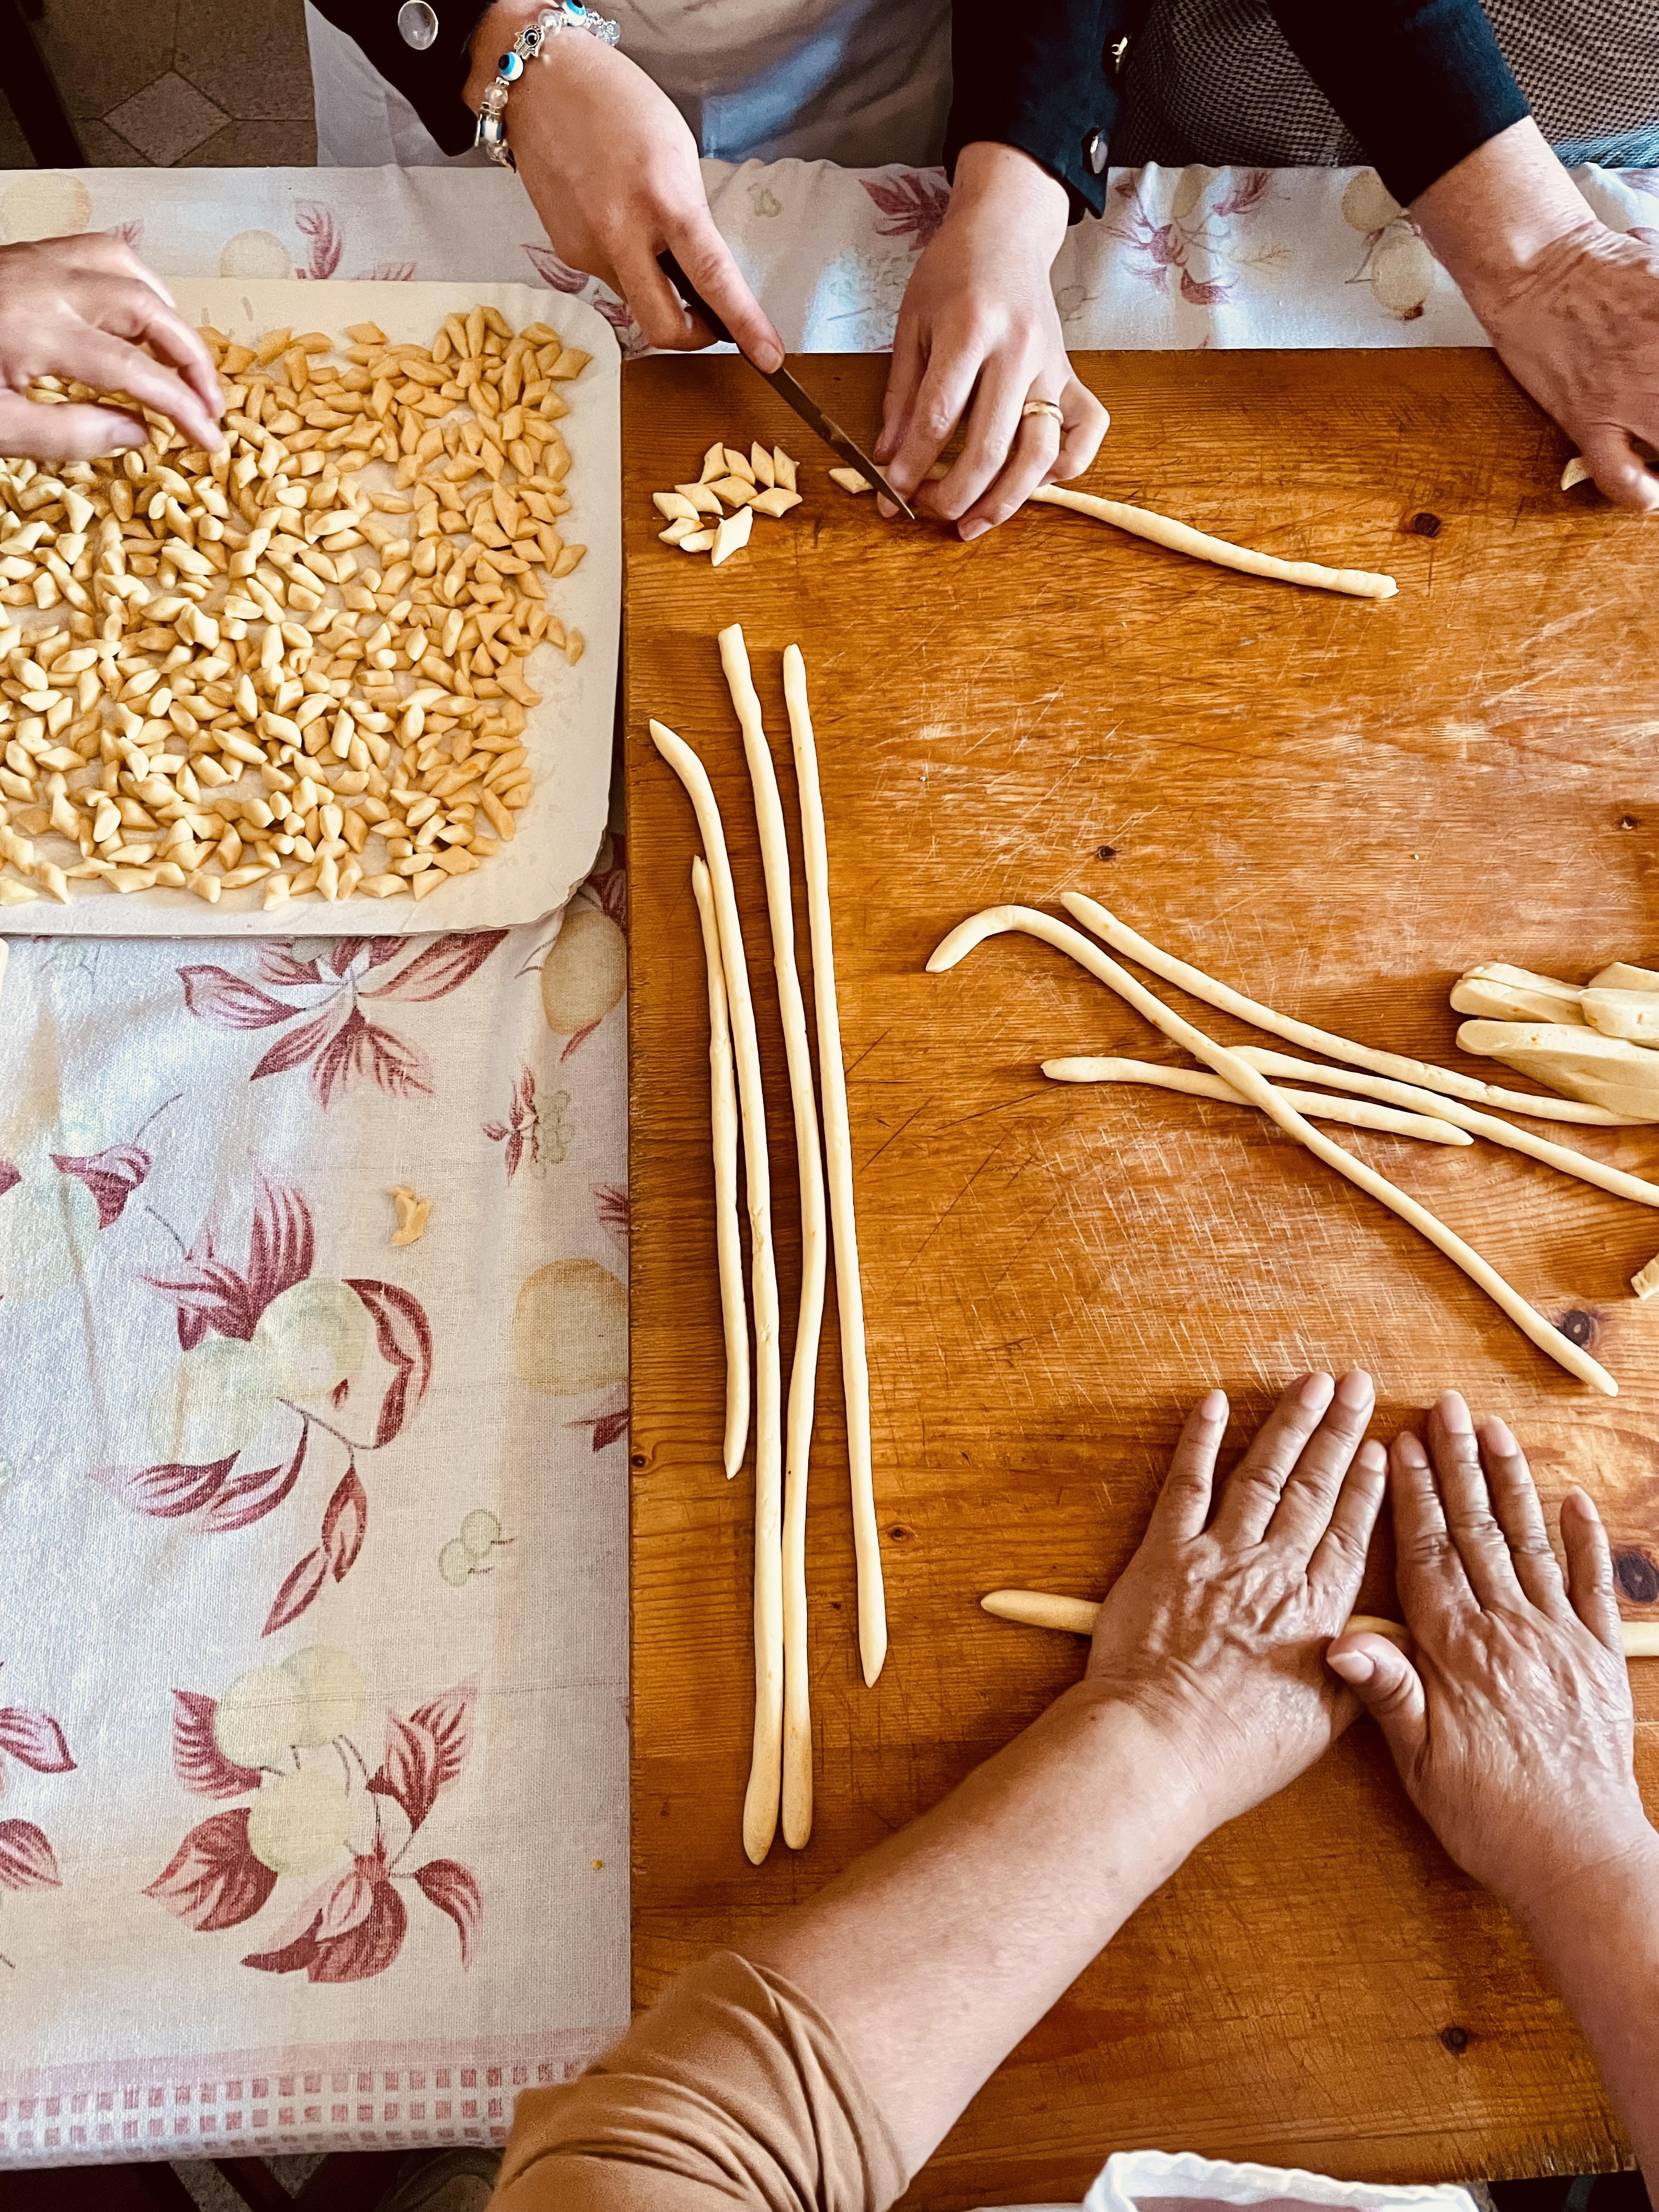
(568, 15)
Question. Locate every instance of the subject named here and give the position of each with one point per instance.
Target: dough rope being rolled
(762, 1798)
(723, 1124)
(1256, 1088)
(1411, 1096)
(1194, 1083)
(838, 1155)
(1122, 938)
(1199, 545)
(1077, 1616)
(803, 1379)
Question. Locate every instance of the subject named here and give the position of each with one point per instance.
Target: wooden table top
(1335, 805)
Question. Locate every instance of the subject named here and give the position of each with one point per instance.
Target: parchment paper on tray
(568, 735)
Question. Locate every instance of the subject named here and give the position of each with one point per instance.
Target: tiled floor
(177, 84)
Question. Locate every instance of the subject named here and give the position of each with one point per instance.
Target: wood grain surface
(1335, 805)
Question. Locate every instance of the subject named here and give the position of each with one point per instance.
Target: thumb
(1388, 1686)
(1619, 470)
(73, 432)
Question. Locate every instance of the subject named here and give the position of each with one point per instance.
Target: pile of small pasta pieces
(761, 483)
(265, 664)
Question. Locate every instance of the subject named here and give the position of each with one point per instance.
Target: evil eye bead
(510, 67)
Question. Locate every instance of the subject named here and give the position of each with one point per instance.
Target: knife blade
(788, 390)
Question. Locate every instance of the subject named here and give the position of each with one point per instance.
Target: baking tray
(568, 735)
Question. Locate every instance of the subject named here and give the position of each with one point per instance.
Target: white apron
(856, 82)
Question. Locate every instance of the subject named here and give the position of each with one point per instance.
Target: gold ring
(1041, 407)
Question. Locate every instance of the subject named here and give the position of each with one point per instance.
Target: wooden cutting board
(1335, 805)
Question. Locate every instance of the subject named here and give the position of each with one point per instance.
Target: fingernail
(1212, 1405)
(768, 357)
(1409, 1450)
(1500, 1438)
(1372, 1457)
(1581, 1502)
(1454, 1415)
(885, 507)
(884, 446)
(973, 529)
(1354, 1390)
(1315, 1391)
(1355, 1667)
(126, 436)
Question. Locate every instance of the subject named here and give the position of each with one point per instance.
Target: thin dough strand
(723, 1122)
(1129, 942)
(803, 1380)
(1181, 537)
(1317, 1105)
(838, 1153)
(760, 1800)
(1256, 1088)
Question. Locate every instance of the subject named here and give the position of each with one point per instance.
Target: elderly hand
(87, 308)
(1571, 306)
(1511, 1724)
(979, 334)
(1217, 1629)
(612, 169)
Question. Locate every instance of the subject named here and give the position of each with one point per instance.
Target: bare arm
(1512, 1729)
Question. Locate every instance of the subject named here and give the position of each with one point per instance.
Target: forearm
(936, 1952)
(1599, 1936)
(1502, 217)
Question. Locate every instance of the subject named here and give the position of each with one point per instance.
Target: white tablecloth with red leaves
(314, 1807)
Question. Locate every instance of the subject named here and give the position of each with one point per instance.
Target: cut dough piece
(714, 464)
(682, 525)
(413, 1214)
(732, 533)
(760, 1804)
(760, 463)
(838, 1154)
(1632, 1015)
(1180, 538)
(776, 502)
(1122, 939)
(673, 505)
(1577, 471)
(737, 464)
(1040, 1609)
(723, 1124)
(1515, 994)
(1623, 1079)
(732, 490)
(13, 893)
(1317, 1105)
(1645, 1281)
(703, 498)
(849, 480)
(697, 541)
(804, 1375)
(1582, 1165)
(1256, 1088)
(783, 470)
(1621, 977)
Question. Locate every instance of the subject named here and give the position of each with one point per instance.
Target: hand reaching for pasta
(1511, 1724)
(1218, 1632)
(86, 307)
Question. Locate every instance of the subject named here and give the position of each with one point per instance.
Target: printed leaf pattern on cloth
(36, 1740)
(333, 1037)
(351, 1926)
(26, 1860)
(913, 204)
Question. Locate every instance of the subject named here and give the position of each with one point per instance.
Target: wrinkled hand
(612, 169)
(979, 334)
(1218, 1634)
(87, 308)
(1582, 335)
(1511, 1724)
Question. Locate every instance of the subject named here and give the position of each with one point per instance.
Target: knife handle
(693, 299)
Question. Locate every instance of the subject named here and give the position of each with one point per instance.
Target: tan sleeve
(732, 2091)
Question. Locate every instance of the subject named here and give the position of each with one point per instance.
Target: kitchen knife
(787, 389)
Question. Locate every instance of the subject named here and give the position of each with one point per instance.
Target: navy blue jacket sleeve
(1035, 75)
(431, 81)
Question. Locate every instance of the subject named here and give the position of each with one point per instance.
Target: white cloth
(854, 82)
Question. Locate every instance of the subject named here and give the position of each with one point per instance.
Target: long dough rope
(1256, 1088)
(804, 1375)
(723, 1121)
(1181, 537)
(1040, 1609)
(838, 1153)
(1122, 938)
(1465, 1117)
(1317, 1105)
(760, 1804)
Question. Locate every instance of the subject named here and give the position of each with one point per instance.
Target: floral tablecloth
(313, 1667)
